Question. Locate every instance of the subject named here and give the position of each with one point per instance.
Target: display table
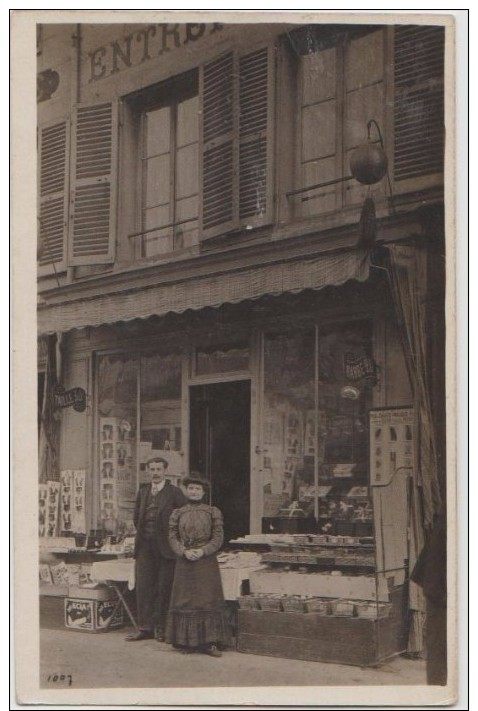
(122, 570)
(117, 574)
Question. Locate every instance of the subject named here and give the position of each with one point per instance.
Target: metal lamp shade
(368, 164)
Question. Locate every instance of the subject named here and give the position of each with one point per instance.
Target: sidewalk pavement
(108, 661)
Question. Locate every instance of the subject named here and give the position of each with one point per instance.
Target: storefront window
(317, 393)
(288, 419)
(347, 375)
(117, 410)
(161, 413)
(224, 358)
(135, 394)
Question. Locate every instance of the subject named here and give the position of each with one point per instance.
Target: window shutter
(419, 101)
(92, 217)
(219, 134)
(237, 141)
(255, 137)
(53, 183)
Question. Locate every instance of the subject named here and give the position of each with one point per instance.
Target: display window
(139, 417)
(317, 393)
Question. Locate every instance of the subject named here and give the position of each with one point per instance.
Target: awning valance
(232, 286)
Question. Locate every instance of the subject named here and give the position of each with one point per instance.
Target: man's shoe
(213, 651)
(159, 635)
(139, 635)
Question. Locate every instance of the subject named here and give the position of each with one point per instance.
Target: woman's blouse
(196, 526)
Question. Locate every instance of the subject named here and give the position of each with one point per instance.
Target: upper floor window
(350, 75)
(170, 171)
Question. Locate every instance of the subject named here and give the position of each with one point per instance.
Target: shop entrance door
(220, 448)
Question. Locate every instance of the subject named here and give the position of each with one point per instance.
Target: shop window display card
(282, 101)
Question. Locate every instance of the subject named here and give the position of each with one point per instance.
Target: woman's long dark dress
(197, 612)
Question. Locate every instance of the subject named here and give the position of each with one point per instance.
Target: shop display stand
(366, 630)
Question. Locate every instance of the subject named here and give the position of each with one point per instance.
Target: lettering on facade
(144, 45)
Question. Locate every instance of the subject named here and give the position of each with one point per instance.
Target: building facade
(223, 290)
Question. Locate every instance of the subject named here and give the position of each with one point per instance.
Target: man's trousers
(154, 580)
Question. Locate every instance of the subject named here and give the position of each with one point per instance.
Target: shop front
(298, 409)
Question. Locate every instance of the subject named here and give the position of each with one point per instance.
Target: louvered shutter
(237, 141)
(92, 216)
(419, 101)
(219, 136)
(255, 137)
(53, 184)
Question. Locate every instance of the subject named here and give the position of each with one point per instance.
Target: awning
(195, 293)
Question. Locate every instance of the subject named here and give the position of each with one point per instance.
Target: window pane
(158, 131)
(345, 380)
(289, 419)
(157, 181)
(319, 76)
(187, 234)
(161, 413)
(158, 241)
(222, 358)
(117, 397)
(188, 121)
(187, 171)
(323, 199)
(318, 130)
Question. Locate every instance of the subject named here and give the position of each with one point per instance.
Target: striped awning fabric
(331, 269)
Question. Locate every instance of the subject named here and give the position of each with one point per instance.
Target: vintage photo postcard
(234, 323)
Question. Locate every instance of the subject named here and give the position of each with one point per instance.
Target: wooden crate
(313, 637)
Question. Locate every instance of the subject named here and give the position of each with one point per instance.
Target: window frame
(168, 93)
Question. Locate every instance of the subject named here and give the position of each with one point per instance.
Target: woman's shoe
(213, 651)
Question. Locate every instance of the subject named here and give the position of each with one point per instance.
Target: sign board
(392, 443)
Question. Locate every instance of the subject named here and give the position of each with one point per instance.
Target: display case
(321, 598)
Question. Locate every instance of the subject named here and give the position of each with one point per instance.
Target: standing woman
(197, 618)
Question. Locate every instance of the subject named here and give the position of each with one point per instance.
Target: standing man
(155, 561)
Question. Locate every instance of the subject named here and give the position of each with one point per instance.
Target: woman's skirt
(197, 611)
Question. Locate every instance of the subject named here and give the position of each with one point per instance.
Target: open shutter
(92, 217)
(419, 101)
(53, 208)
(237, 141)
(219, 138)
(255, 136)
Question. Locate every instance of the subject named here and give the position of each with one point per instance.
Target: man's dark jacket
(170, 498)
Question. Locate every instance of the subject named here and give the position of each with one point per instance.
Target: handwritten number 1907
(59, 678)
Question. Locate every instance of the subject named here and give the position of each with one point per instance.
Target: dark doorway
(220, 448)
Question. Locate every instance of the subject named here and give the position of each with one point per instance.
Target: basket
(270, 557)
(373, 610)
(318, 605)
(343, 608)
(248, 602)
(307, 558)
(270, 603)
(293, 603)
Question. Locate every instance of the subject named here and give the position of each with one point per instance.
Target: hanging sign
(359, 367)
(75, 397)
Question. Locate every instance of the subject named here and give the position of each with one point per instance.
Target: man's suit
(155, 561)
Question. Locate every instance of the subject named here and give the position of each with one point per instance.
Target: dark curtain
(407, 268)
(49, 440)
